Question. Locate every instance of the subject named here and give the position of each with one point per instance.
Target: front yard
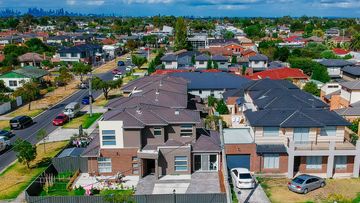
(339, 190)
(17, 177)
(85, 120)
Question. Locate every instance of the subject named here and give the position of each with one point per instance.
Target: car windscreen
(59, 117)
(245, 176)
(14, 121)
(298, 180)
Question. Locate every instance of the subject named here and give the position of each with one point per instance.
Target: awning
(270, 149)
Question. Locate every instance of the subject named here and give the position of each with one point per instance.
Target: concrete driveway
(255, 195)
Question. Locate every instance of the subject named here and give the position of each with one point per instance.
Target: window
(271, 161)
(135, 171)
(200, 91)
(328, 131)
(108, 137)
(13, 83)
(186, 130)
(74, 55)
(62, 54)
(340, 162)
(271, 131)
(157, 131)
(201, 62)
(134, 158)
(135, 165)
(104, 165)
(313, 162)
(181, 163)
(168, 62)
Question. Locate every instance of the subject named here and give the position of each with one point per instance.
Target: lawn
(17, 177)
(59, 187)
(340, 190)
(85, 120)
(24, 110)
(4, 124)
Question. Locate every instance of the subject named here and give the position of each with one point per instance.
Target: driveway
(255, 195)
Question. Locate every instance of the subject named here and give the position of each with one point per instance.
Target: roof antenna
(157, 95)
(138, 110)
(161, 83)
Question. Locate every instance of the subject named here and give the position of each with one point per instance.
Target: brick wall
(349, 166)
(302, 167)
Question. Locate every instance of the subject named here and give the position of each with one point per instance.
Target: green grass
(85, 120)
(59, 187)
(264, 185)
(233, 195)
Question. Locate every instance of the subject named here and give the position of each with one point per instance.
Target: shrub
(79, 191)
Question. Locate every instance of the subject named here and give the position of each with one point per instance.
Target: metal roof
(270, 149)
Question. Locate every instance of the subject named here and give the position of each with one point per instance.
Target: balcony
(321, 145)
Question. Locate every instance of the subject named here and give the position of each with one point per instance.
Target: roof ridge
(125, 110)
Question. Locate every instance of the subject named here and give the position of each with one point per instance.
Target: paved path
(256, 195)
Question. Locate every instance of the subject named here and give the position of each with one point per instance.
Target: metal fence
(156, 198)
(65, 164)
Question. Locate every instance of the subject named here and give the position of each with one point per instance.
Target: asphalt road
(44, 121)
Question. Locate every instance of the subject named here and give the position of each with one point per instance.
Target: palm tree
(355, 42)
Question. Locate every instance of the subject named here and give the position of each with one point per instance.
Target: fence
(5, 107)
(64, 164)
(156, 198)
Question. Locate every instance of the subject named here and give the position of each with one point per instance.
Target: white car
(242, 178)
(117, 76)
(128, 58)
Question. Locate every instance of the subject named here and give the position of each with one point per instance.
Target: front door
(301, 135)
(205, 162)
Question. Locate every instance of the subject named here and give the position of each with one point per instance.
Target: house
(350, 73)
(315, 39)
(222, 62)
(295, 74)
(201, 61)
(286, 131)
(205, 84)
(31, 59)
(198, 41)
(153, 139)
(330, 94)
(334, 66)
(169, 61)
(222, 42)
(217, 51)
(111, 51)
(59, 39)
(11, 40)
(247, 53)
(340, 52)
(16, 78)
(89, 53)
(350, 93)
(179, 60)
(235, 48)
(333, 32)
(259, 62)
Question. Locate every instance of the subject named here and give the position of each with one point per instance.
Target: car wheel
(322, 184)
(306, 191)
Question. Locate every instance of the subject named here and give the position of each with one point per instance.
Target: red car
(115, 71)
(61, 119)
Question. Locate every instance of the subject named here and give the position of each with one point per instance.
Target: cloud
(95, 2)
(339, 4)
(232, 7)
(70, 2)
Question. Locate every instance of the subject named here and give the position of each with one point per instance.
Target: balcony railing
(322, 145)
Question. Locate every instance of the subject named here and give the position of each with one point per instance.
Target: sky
(199, 8)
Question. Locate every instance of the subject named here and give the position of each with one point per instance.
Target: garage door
(238, 161)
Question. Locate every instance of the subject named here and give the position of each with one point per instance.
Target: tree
(233, 60)
(180, 35)
(318, 33)
(212, 101)
(320, 73)
(131, 45)
(228, 35)
(105, 86)
(29, 92)
(282, 54)
(64, 77)
(36, 45)
(328, 54)
(25, 151)
(355, 42)
(221, 107)
(311, 88)
(138, 60)
(41, 135)
(212, 122)
(215, 65)
(209, 64)
(81, 69)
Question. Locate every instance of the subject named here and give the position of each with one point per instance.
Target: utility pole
(90, 95)
(225, 170)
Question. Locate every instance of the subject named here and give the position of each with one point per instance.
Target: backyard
(339, 190)
(17, 177)
(85, 120)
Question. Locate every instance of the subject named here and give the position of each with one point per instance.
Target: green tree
(355, 43)
(311, 88)
(29, 92)
(138, 60)
(282, 54)
(180, 35)
(228, 35)
(105, 86)
(64, 77)
(209, 65)
(211, 101)
(41, 135)
(221, 107)
(233, 60)
(36, 45)
(212, 122)
(320, 73)
(328, 54)
(81, 69)
(215, 65)
(131, 45)
(25, 151)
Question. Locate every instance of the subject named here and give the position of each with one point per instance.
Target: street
(44, 121)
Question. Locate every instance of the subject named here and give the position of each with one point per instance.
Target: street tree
(28, 92)
(25, 151)
(81, 69)
(105, 86)
(64, 77)
(42, 135)
(138, 60)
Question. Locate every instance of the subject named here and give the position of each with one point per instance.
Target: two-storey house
(89, 53)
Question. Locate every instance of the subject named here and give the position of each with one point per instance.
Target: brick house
(155, 130)
(287, 131)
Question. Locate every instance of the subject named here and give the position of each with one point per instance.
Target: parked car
(128, 68)
(242, 178)
(117, 76)
(128, 58)
(4, 143)
(6, 133)
(60, 119)
(116, 71)
(72, 109)
(306, 183)
(83, 85)
(86, 100)
(20, 122)
(121, 63)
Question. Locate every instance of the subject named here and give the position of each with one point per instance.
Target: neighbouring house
(179, 60)
(296, 75)
(350, 73)
(340, 52)
(315, 39)
(198, 41)
(31, 59)
(217, 51)
(334, 66)
(88, 53)
(201, 61)
(350, 113)
(332, 32)
(222, 42)
(169, 61)
(205, 84)
(350, 93)
(287, 131)
(235, 48)
(222, 62)
(111, 51)
(247, 53)
(16, 78)
(330, 94)
(59, 39)
(258, 62)
(11, 40)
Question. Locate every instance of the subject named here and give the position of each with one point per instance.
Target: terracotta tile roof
(279, 73)
(340, 51)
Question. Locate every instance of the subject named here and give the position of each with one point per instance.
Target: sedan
(116, 71)
(242, 178)
(306, 183)
(61, 119)
(6, 133)
(86, 100)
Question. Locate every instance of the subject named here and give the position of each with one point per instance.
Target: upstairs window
(271, 131)
(157, 131)
(62, 54)
(108, 137)
(186, 130)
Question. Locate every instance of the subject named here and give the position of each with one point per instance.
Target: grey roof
(349, 111)
(30, 57)
(59, 37)
(291, 118)
(258, 57)
(237, 136)
(71, 152)
(222, 41)
(169, 57)
(202, 57)
(335, 63)
(212, 80)
(31, 72)
(208, 141)
(93, 149)
(352, 70)
(219, 58)
(80, 48)
(352, 85)
(270, 149)
(275, 64)
(266, 84)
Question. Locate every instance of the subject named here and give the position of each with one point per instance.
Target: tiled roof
(202, 57)
(209, 141)
(79, 48)
(258, 57)
(340, 51)
(219, 58)
(31, 57)
(279, 73)
(335, 63)
(169, 57)
(352, 85)
(352, 70)
(349, 111)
